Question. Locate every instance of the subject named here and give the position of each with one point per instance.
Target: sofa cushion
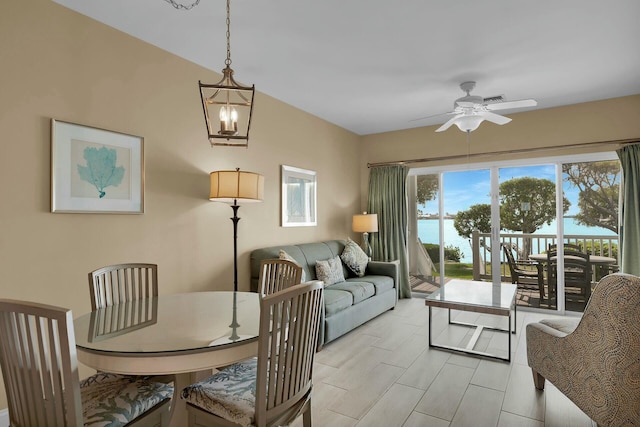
(381, 283)
(284, 255)
(330, 271)
(336, 300)
(359, 289)
(323, 250)
(354, 257)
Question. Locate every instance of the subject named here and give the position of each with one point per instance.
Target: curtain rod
(619, 142)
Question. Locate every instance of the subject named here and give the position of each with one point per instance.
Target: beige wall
(58, 64)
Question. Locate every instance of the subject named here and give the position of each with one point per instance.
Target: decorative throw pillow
(284, 255)
(354, 257)
(330, 271)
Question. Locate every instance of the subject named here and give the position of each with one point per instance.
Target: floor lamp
(365, 224)
(236, 187)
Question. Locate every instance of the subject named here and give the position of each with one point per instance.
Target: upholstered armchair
(595, 360)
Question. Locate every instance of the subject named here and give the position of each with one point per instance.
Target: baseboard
(4, 417)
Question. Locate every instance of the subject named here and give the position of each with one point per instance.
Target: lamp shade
(236, 186)
(365, 223)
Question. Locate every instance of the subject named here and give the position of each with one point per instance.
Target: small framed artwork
(298, 197)
(95, 170)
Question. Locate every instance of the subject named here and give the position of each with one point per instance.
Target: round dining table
(184, 335)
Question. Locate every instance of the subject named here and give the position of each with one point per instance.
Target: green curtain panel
(388, 199)
(630, 225)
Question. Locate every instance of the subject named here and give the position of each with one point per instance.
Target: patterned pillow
(330, 271)
(354, 257)
(284, 255)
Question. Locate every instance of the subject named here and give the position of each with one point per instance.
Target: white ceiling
(373, 66)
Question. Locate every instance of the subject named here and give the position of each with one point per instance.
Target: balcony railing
(538, 243)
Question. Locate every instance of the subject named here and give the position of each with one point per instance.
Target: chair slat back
(569, 249)
(577, 267)
(39, 364)
(278, 274)
(122, 282)
(289, 324)
(122, 318)
(510, 260)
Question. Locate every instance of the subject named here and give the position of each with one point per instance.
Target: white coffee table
(479, 297)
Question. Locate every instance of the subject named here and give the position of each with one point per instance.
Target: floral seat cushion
(229, 393)
(115, 400)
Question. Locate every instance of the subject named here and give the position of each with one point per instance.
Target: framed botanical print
(95, 170)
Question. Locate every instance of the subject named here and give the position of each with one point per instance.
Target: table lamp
(236, 187)
(365, 224)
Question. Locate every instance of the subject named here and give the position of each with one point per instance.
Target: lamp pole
(234, 321)
(235, 220)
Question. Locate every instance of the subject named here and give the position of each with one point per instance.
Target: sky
(466, 188)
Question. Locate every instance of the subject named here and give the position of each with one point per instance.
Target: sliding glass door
(528, 213)
(473, 214)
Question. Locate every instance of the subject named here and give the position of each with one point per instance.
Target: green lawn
(457, 270)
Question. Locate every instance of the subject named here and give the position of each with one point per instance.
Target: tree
(599, 186)
(528, 203)
(427, 188)
(525, 205)
(477, 217)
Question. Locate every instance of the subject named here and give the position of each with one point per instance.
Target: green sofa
(348, 304)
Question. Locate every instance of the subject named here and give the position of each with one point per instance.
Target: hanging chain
(180, 6)
(192, 5)
(228, 60)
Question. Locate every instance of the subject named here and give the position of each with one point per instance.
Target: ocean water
(428, 233)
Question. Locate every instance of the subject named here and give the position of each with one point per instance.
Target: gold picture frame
(95, 170)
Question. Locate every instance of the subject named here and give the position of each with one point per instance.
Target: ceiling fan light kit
(468, 123)
(471, 110)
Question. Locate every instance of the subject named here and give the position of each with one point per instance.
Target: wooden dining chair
(278, 274)
(577, 270)
(274, 388)
(40, 371)
(122, 282)
(524, 273)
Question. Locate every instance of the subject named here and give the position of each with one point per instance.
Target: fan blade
(494, 118)
(512, 104)
(448, 124)
(435, 115)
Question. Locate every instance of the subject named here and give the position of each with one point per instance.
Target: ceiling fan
(471, 110)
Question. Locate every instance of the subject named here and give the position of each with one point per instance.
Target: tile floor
(384, 374)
